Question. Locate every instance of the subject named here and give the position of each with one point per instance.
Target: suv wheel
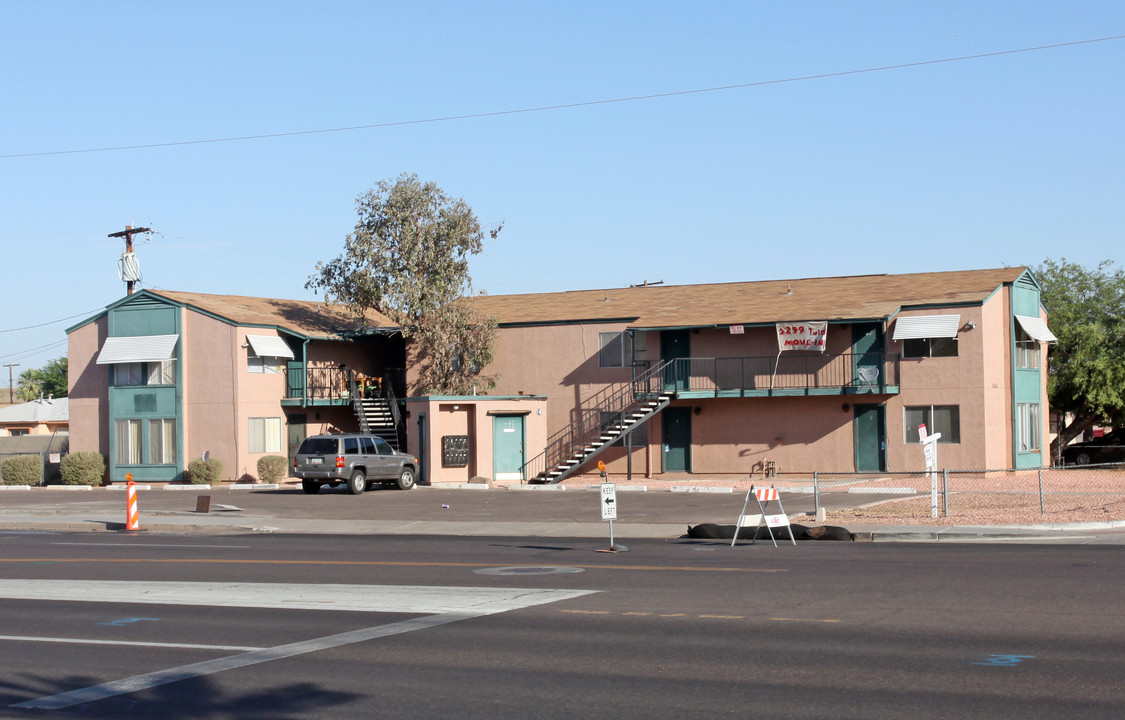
(1082, 459)
(405, 479)
(312, 487)
(357, 483)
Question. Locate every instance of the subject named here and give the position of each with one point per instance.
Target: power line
(52, 322)
(20, 354)
(567, 106)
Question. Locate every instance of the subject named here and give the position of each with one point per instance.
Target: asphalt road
(251, 626)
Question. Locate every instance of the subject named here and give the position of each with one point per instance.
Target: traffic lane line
(700, 616)
(123, 643)
(384, 563)
(233, 662)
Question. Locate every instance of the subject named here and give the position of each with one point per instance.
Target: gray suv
(358, 460)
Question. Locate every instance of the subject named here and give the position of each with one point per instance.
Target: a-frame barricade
(763, 496)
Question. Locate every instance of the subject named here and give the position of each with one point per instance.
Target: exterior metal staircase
(608, 417)
(380, 416)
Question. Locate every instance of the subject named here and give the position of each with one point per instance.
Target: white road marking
(438, 605)
(410, 599)
(132, 545)
(86, 641)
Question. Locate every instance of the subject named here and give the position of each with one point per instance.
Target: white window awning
(269, 346)
(140, 348)
(1036, 328)
(926, 326)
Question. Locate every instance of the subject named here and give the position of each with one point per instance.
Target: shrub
(272, 468)
(83, 468)
(22, 469)
(204, 472)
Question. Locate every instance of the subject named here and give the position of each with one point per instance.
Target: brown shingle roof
(306, 317)
(835, 298)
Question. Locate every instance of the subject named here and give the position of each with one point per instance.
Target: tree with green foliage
(408, 258)
(1086, 367)
(47, 381)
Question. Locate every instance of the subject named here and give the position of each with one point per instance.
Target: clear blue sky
(1001, 160)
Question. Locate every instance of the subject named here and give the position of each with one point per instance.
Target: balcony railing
(335, 385)
(844, 373)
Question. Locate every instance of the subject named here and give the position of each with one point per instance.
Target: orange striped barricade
(132, 514)
(763, 496)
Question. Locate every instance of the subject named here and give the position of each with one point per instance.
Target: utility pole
(11, 398)
(128, 234)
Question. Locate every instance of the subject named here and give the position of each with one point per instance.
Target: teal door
(676, 345)
(870, 438)
(507, 447)
(867, 356)
(677, 439)
(296, 432)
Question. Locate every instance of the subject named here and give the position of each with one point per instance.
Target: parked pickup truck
(358, 460)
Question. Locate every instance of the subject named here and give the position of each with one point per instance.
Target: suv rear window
(318, 446)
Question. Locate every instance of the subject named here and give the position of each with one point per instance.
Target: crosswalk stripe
(410, 599)
(437, 606)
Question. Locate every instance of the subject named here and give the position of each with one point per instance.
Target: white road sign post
(608, 503)
(929, 451)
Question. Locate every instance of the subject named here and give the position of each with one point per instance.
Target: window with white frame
(944, 419)
(127, 439)
(145, 373)
(162, 441)
(929, 347)
(1030, 429)
(615, 349)
(265, 435)
(1027, 350)
(268, 364)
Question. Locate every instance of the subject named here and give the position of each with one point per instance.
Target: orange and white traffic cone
(132, 514)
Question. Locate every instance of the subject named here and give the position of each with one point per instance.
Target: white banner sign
(802, 336)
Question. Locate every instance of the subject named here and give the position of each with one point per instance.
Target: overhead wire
(565, 106)
(20, 354)
(52, 322)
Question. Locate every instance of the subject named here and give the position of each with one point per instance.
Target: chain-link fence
(987, 497)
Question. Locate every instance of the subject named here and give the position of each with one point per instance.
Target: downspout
(1014, 425)
(422, 469)
(305, 380)
(235, 404)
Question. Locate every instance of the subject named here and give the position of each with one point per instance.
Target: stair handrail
(389, 394)
(588, 424)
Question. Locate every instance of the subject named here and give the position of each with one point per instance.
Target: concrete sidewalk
(70, 510)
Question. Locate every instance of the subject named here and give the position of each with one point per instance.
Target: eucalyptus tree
(408, 258)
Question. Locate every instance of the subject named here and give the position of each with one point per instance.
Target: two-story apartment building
(832, 374)
(160, 378)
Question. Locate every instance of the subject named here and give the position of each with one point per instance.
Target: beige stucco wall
(221, 396)
(996, 390)
(472, 416)
(259, 395)
(559, 362)
(210, 377)
(956, 381)
(88, 388)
